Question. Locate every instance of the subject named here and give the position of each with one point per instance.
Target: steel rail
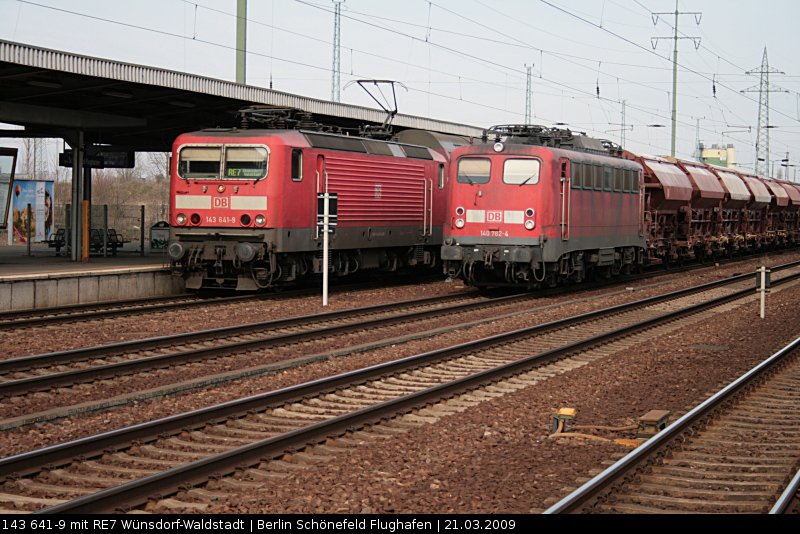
(74, 312)
(45, 316)
(64, 378)
(788, 495)
(59, 453)
(25, 363)
(137, 492)
(579, 498)
(28, 362)
(43, 382)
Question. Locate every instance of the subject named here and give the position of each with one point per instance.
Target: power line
(637, 45)
(485, 62)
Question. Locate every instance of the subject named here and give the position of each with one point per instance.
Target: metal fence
(130, 223)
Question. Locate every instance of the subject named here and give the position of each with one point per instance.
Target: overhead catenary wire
(573, 92)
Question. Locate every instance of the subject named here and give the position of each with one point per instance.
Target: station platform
(42, 279)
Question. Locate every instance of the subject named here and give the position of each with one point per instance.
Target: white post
(763, 288)
(325, 252)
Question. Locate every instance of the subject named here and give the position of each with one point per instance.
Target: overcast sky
(465, 60)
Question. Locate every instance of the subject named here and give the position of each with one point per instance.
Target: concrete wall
(62, 290)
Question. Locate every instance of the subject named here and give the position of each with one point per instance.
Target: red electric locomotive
(541, 206)
(244, 204)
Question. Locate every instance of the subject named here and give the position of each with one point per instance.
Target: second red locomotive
(540, 206)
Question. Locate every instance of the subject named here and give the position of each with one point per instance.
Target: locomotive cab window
(247, 162)
(199, 162)
(521, 171)
(297, 165)
(441, 176)
(474, 170)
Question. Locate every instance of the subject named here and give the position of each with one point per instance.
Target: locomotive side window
(577, 175)
(297, 165)
(474, 170)
(608, 178)
(199, 162)
(619, 180)
(597, 172)
(521, 171)
(247, 162)
(630, 181)
(441, 176)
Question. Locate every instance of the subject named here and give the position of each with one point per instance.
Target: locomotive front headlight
(498, 147)
(529, 225)
(529, 212)
(460, 211)
(245, 220)
(260, 220)
(195, 218)
(180, 219)
(459, 223)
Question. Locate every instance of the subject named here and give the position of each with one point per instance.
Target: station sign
(101, 159)
(333, 210)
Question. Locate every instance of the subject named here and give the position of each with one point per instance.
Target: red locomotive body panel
(378, 192)
(202, 192)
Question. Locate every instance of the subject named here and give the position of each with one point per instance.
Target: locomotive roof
(579, 156)
(330, 141)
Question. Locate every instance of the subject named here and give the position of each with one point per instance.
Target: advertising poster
(39, 194)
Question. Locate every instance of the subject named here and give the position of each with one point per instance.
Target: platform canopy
(53, 94)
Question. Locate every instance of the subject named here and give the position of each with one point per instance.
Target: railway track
(251, 440)
(735, 453)
(98, 310)
(238, 347)
(104, 310)
(30, 374)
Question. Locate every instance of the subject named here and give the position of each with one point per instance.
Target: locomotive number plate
(213, 219)
(494, 233)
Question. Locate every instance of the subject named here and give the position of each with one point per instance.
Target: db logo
(221, 202)
(494, 216)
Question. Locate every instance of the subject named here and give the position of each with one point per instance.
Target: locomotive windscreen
(246, 162)
(208, 163)
(200, 162)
